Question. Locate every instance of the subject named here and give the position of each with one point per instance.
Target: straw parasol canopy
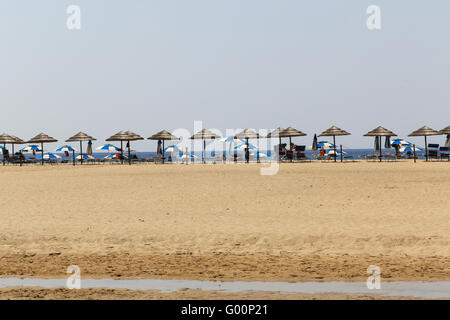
(446, 130)
(276, 134)
(42, 138)
(125, 136)
(291, 132)
(380, 132)
(80, 136)
(424, 132)
(4, 139)
(247, 134)
(205, 134)
(334, 131)
(163, 135)
(133, 136)
(18, 140)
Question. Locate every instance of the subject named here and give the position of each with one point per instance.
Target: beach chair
(433, 151)
(300, 154)
(444, 153)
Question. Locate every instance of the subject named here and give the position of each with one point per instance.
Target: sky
(148, 65)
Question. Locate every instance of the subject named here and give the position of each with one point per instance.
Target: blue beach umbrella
(172, 148)
(332, 152)
(244, 145)
(400, 142)
(66, 148)
(259, 154)
(377, 144)
(187, 156)
(84, 157)
(325, 145)
(114, 156)
(31, 148)
(159, 148)
(410, 148)
(314, 144)
(109, 148)
(387, 143)
(49, 156)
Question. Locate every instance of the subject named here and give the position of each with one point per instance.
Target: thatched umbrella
(291, 132)
(248, 134)
(125, 136)
(17, 141)
(163, 135)
(204, 135)
(446, 131)
(276, 134)
(119, 136)
(425, 132)
(132, 137)
(80, 136)
(4, 139)
(42, 138)
(334, 131)
(380, 132)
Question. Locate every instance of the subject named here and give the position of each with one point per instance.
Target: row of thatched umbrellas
(206, 134)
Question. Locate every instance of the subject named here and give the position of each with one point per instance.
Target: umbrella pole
(279, 149)
(414, 152)
(81, 152)
(12, 146)
(163, 152)
(121, 151)
(290, 148)
(257, 151)
(204, 147)
(247, 156)
(379, 141)
(129, 153)
(341, 153)
(3, 155)
(426, 149)
(334, 146)
(20, 156)
(73, 156)
(42, 152)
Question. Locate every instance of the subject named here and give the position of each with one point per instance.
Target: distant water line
(414, 289)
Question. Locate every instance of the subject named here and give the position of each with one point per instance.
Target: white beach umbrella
(49, 156)
(84, 157)
(108, 148)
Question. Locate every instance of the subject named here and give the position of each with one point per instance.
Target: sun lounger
(444, 153)
(433, 151)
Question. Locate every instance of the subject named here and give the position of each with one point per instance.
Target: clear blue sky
(147, 65)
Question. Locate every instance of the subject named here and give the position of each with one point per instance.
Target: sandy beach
(311, 221)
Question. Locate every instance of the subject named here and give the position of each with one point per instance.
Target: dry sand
(311, 221)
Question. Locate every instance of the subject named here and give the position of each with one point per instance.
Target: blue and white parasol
(49, 156)
(108, 148)
(31, 148)
(325, 145)
(84, 157)
(66, 148)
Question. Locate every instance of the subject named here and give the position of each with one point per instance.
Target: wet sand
(311, 221)
(123, 294)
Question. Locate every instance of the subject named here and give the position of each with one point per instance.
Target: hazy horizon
(151, 65)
